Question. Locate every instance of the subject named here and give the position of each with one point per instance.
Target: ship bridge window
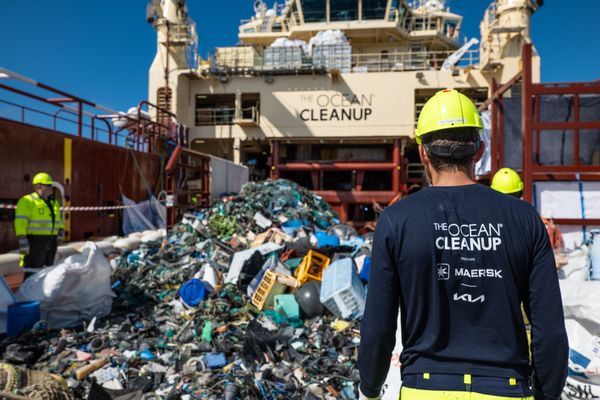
(374, 9)
(215, 109)
(251, 106)
(450, 27)
(343, 10)
(314, 10)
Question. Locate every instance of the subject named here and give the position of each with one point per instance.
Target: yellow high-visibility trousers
(422, 394)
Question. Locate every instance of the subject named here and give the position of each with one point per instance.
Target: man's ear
(423, 155)
(480, 152)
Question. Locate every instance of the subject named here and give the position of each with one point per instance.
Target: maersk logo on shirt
(468, 237)
(443, 272)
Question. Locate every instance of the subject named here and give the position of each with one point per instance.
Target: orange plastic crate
(267, 289)
(311, 267)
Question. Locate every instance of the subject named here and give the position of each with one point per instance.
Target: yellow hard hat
(42, 178)
(447, 109)
(507, 181)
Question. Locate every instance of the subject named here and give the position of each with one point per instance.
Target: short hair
(452, 137)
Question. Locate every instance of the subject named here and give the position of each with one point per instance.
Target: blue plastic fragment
(290, 227)
(325, 240)
(366, 269)
(147, 355)
(355, 242)
(192, 292)
(215, 360)
(286, 305)
(132, 258)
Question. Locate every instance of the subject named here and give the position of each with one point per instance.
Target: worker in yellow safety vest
(508, 181)
(38, 225)
(458, 259)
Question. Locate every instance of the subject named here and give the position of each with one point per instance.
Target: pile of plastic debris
(261, 205)
(269, 311)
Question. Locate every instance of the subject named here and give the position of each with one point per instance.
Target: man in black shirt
(459, 259)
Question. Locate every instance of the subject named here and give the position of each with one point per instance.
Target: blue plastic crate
(21, 316)
(342, 292)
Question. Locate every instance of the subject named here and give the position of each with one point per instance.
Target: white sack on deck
(578, 266)
(582, 320)
(576, 390)
(484, 166)
(73, 291)
(569, 200)
(328, 37)
(6, 298)
(393, 382)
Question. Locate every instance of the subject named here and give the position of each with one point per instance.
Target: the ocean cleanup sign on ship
(335, 107)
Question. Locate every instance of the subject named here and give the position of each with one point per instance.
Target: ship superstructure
(326, 92)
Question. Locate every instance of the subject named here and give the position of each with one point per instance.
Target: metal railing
(57, 121)
(250, 114)
(226, 116)
(215, 116)
(403, 18)
(360, 62)
(409, 61)
(76, 116)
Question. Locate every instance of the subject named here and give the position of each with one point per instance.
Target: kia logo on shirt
(468, 298)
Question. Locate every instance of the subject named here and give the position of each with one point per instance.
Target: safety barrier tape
(99, 208)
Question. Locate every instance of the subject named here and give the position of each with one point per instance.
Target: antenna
(153, 11)
(259, 7)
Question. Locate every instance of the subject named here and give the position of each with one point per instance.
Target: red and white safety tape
(103, 208)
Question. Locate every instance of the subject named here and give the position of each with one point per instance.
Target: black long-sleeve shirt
(459, 262)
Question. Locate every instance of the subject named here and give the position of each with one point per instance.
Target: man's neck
(454, 178)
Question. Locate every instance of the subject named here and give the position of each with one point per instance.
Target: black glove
(60, 238)
(23, 245)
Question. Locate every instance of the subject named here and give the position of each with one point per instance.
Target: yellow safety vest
(34, 217)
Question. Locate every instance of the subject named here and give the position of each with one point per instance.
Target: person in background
(508, 181)
(38, 225)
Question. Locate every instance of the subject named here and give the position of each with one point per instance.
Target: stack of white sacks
(581, 304)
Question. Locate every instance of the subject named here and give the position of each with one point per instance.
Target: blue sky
(101, 50)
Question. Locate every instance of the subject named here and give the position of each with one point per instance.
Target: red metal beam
(565, 169)
(500, 109)
(335, 166)
(572, 125)
(498, 92)
(494, 150)
(576, 221)
(60, 100)
(526, 130)
(275, 162)
(563, 176)
(24, 93)
(396, 166)
(576, 110)
(566, 88)
(356, 197)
